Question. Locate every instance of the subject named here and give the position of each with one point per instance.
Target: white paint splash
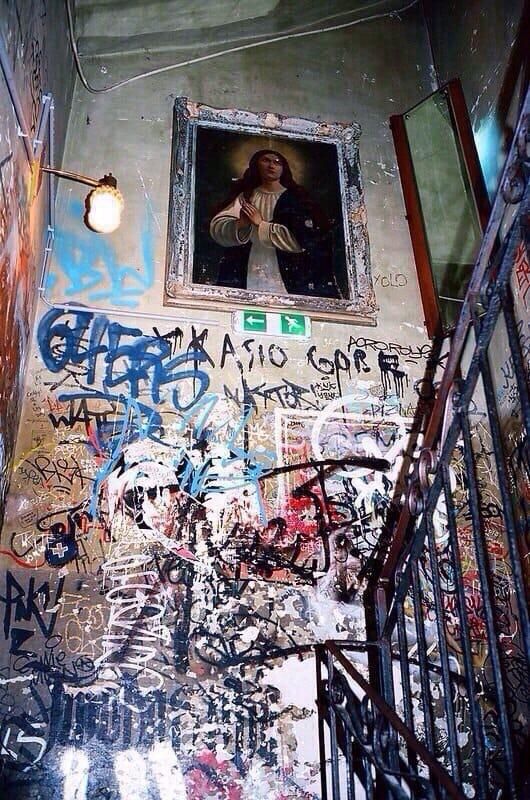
(129, 767)
(74, 767)
(167, 772)
(18, 679)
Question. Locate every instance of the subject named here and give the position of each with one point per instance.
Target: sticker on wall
(295, 326)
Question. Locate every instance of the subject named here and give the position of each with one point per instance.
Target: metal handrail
(458, 340)
(437, 771)
(371, 733)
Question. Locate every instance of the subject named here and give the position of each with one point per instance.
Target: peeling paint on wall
(25, 31)
(183, 521)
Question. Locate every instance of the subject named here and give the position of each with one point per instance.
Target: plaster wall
(165, 576)
(474, 41)
(39, 63)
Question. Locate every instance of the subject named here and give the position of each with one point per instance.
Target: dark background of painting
(214, 176)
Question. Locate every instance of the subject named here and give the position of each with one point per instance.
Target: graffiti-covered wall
(29, 37)
(188, 514)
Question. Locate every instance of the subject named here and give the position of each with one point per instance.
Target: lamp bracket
(73, 176)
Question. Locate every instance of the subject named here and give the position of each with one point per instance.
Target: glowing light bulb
(105, 204)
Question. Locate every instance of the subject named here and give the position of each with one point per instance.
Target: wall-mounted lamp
(103, 204)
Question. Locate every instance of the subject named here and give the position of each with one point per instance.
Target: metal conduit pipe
(9, 77)
(48, 248)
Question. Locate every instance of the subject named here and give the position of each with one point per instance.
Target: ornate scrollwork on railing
(421, 483)
(363, 727)
(517, 174)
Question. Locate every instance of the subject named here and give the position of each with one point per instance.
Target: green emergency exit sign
(293, 324)
(288, 324)
(254, 321)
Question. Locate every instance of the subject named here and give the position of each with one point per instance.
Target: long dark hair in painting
(251, 180)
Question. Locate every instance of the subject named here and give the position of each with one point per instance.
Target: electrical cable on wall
(287, 34)
(251, 36)
(293, 33)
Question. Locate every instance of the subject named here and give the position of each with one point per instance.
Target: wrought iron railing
(436, 702)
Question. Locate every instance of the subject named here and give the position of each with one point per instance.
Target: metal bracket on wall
(18, 108)
(44, 143)
(35, 148)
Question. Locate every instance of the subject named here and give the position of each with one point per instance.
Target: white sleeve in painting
(223, 227)
(263, 273)
(271, 234)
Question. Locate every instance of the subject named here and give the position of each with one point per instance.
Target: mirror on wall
(445, 198)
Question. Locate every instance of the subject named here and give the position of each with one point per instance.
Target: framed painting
(268, 211)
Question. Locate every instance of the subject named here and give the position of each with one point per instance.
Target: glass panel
(447, 204)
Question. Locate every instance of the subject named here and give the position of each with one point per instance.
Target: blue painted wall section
(186, 517)
(90, 267)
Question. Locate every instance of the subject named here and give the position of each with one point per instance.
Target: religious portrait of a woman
(275, 237)
(267, 210)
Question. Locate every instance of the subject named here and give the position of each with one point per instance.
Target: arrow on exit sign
(254, 321)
